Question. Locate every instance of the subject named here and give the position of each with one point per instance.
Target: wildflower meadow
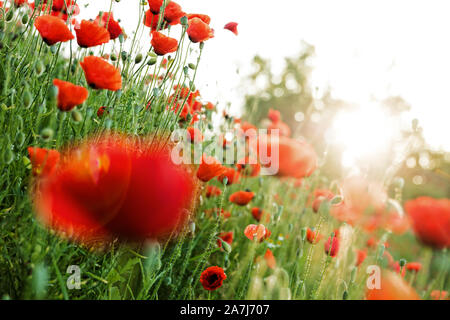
(120, 181)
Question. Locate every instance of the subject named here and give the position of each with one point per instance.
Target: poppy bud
(121, 38)
(192, 66)
(25, 19)
(226, 246)
(9, 156)
(39, 68)
(9, 15)
(345, 295)
(76, 116)
(303, 233)
(53, 93)
(168, 281)
(47, 133)
(53, 49)
(138, 58)
(184, 21)
(152, 61)
(123, 54)
(353, 274)
(20, 139)
(402, 262)
(27, 99)
(113, 57)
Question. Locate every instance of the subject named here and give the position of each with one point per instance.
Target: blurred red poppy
(321, 195)
(69, 94)
(91, 34)
(431, 220)
(100, 74)
(198, 31)
(232, 26)
(226, 237)
(151, 20)
(101, 111)
(259, 213)
(213, 191)
(270, 259)
(248, 166)
(43, 161)
(212, 278)
(209, 168)
(332, 246)
(155, 5)
(439, 295)
(231, 175)
(414, 266)
(195, 135)
(361, 255)
(106, 20)
(162, 44)
(312, 236)
(52, 29)
(392, 287)
(241, 198)
(116, 187)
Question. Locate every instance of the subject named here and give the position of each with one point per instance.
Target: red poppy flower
(43, 161)
(274, 115)
(361, 255)
(213, 191)
(414, 266)
(257, 232)
(320, 196)
(69, 94)
(173, 13)
(162, 44)
(226, 237)
(62, 5)
(212, 278)
(117, 187)
(259, 213)
(209, 168)
(439, 295)
(195, 135)
(155, 5)
(101, 111)
(431, 220)
(106, 20)
(232, 26)
(205, 18)
(242, 198)
(296, 159)
(91, 34)
(231, 174)
(392, 287)
(20, 2)
(100, 74)
(283, 128)
(198, 31)
(151, 20)
(270, 259)
(332, 246)
(248, 167)
(52, 29)
(312, 236)
(209, 106)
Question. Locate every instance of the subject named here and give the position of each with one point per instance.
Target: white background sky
(364, 49)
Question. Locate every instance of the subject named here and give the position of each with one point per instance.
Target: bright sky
(364, 49)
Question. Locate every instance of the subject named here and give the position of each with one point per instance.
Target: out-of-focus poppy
(361, 255)
(101, 111)
(91, 34)
(312, 236)
(69, 94)
(270, 259)
(52, 29)
(226, 237)
(209, 168)
(195, 135)
(398, 269)
(439, 295)
(392, 287)
(242, 198)
(62, 5)
(43, 161)
(332, 246)
(155, 5)
(231, 175)
(274, 115)
(100, 74)
(221, 213)
(173, 13)
(259, 213)
(115, 186)
(213, 191)
(212, 278)
(205, 18)
(431, 220)
(295, 158)
(162, 44)
(232, 26)
(20, 2)
(209, 106)
(248, 166)
(321, 195)
(414, 266)
(151, 20)
(257, 232)
(198, 31)
(107, 21)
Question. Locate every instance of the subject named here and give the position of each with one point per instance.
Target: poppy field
(120, 181)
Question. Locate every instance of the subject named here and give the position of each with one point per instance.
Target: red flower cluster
(212, 278)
